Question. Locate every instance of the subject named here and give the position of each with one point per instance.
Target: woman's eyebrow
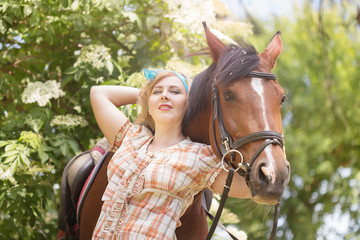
(157, 87)
(171, 86)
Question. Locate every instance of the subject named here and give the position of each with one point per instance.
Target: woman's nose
(164, 96)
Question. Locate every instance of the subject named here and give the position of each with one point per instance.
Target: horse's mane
(234, 63)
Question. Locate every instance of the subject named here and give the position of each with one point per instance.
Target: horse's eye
(283, 99)
(229, 96)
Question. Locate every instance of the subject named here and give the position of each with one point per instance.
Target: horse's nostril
(262, 178)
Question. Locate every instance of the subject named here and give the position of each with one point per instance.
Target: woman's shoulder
(135, 133)
(136, 129)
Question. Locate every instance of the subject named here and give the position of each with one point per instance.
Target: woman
(156, 170)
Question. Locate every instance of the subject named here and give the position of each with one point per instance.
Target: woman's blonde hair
(144, 117)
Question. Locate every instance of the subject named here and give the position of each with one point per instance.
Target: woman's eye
(175, 91)
(156, 92)
(229, 96)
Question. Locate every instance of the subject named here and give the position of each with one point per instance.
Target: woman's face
(168, 101)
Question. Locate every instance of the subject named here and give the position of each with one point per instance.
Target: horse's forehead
(251, 90)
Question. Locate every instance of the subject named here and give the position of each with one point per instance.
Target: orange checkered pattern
(148, 192)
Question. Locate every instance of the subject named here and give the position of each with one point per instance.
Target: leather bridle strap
(222, 203)
(262, 75)
(271, 137)
(275, 222)
(263, 135)
(217, 114)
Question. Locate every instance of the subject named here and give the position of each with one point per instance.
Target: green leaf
(65, 3)
(11, 147)
(74, 146)
(151, 21)
(4, 6)
(24, 159)
(78, 75)
(27, 10)
(43, 156)
(2, 198)
(71, 70)
(8, 19)
(3, 143)
(13, 167)
(59, 142)
(117, 66)
(3, 26)
(64, 148)
(109, 66)
(10, 153)
(34, 20)
(10, 159)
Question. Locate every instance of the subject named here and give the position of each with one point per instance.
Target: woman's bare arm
(105, 101)
(238, 189)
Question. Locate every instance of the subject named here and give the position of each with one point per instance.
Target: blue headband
(151, 74)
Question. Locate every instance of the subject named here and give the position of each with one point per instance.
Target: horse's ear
(273, 50)
(215, 45)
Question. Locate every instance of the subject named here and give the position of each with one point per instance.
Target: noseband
(228, 146)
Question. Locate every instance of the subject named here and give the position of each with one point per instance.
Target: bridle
(229, 147)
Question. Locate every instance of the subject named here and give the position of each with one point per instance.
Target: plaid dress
(148, 192)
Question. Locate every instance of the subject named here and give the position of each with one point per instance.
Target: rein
(228, 146)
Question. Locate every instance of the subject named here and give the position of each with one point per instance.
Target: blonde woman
(156, 171)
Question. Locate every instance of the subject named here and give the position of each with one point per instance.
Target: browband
(261, 75)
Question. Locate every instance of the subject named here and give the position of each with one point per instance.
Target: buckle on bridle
(241, 164)
(226, 143)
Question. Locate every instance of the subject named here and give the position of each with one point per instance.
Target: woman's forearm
(118, 95)
(105, 101)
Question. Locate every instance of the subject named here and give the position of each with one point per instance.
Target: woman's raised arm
(105, 101)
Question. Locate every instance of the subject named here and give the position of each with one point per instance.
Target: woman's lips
(165, 107)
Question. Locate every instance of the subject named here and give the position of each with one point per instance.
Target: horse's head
(246, 108)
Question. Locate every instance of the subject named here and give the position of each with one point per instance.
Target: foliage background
(52, 52)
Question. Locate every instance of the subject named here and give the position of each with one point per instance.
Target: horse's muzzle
(267, 182)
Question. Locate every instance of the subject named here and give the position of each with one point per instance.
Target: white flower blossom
(96, 55)
(69, 120)
(6, 175)
(137, 80)
(227, 217)
(184, 67)
(192, 13)
(241, 235)
(97, 80)
(41, 92)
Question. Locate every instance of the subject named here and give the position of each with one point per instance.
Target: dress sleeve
(120, 136)
(210, 165)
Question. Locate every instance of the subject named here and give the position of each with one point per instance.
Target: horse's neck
(198, 128)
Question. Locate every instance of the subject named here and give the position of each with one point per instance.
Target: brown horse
(238, 83)
(250, 100)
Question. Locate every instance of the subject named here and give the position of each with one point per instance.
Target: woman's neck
(166, 137)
